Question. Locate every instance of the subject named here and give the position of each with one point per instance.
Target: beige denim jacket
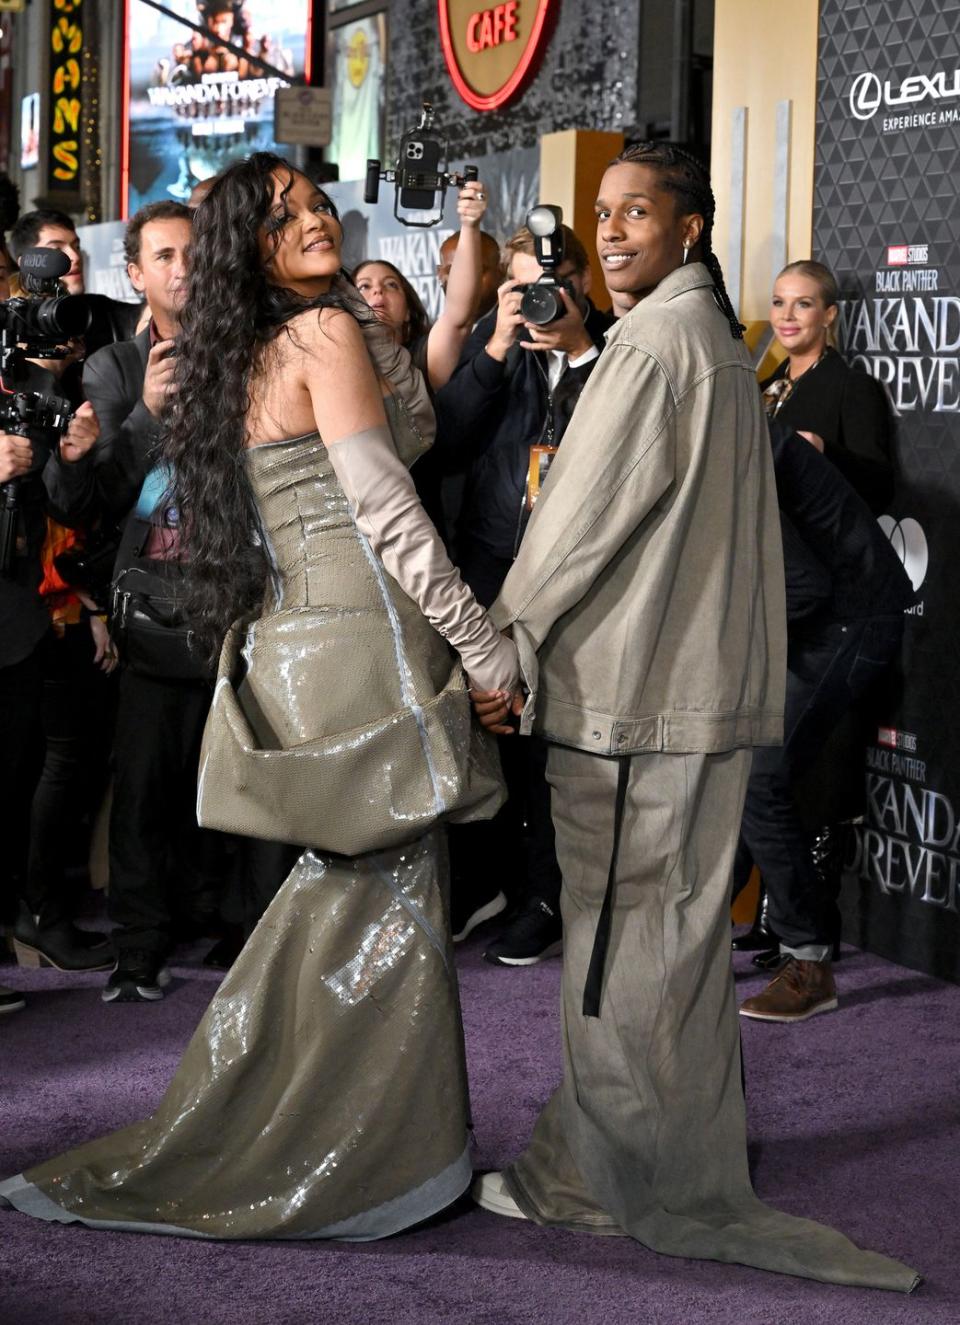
(647, 599)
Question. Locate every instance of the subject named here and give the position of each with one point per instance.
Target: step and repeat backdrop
(887, 221)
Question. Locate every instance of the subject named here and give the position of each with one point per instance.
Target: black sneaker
(11, 1000)
(467, 912)
(533, 934)
(139, 977)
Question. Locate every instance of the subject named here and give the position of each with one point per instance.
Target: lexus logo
(910, 544)
(868, 93)
(866, 96)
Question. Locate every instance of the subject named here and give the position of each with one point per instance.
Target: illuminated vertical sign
(194, 105)
(357, 67)
(66, 104)
(30, 131)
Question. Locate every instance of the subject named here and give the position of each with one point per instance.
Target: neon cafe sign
(489, 48)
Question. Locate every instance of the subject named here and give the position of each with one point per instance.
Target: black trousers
(164, 868)
(828, 670)
(21, 760)
(77, 711)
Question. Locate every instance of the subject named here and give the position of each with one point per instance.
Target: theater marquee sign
(489, 49)
(887, 222)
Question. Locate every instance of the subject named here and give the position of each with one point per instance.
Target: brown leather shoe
(798, 991)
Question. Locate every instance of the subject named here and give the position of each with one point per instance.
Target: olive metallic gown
(324, 1093)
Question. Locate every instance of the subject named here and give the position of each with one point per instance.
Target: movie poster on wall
(195, 105)
(887, 223)
(357, 77)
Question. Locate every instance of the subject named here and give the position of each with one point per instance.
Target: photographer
(502, 414)
(491, 269)
(110, 319)
(31, 469)
(164, 870)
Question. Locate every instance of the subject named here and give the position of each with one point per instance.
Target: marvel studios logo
(897, 740)
(908, 255)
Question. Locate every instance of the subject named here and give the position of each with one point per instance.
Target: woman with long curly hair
(324, 1092)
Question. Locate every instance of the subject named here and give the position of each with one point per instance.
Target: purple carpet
(853, 1119)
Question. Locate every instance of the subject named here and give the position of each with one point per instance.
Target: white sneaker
(11, 1000)
(464, 921)
(490, 1192)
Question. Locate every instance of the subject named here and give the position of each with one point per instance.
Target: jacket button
(597, 736)
(621, 739)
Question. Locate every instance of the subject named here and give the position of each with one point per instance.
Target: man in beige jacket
(647, 603)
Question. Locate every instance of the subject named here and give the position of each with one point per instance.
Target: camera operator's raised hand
(472, 204)
(567, 334)
(16, 456)
(449, 333)
(82, 431)
(509, 320)
(158, 379)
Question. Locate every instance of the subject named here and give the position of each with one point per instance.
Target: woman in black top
(815, 391)
(845, 414)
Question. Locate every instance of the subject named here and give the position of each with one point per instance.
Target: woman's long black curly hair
(688, 180)
(231, 313)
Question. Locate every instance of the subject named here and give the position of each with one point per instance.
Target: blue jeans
(829, 668)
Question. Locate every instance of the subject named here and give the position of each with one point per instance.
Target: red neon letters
(492, 26)
(519, 22)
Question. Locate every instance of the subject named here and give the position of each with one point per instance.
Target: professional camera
(42, 324)
(541, 302)
(419, 175)
(33, 328)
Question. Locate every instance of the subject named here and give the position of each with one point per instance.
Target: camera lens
(65, 316)
(541, 304)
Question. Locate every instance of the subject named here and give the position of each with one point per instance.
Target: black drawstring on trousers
(593, 989)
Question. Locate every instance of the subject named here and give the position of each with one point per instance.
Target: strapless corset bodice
(312, 540)
(305, 518)
(337, 640)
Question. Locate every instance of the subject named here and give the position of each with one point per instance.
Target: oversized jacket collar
(680, 281)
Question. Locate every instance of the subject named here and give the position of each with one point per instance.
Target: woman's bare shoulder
(325, 328)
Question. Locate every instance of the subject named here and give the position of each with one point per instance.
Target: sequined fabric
(324, 1092)
(340, 718)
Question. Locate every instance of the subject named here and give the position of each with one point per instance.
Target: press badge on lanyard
(541, 458)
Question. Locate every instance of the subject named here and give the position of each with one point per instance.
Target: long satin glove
(388, 513)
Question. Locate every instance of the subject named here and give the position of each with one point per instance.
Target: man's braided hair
(687, 178)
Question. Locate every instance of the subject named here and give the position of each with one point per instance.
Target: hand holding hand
(568, 333)
(493, 707)
(16, 456)
(158, 379)
(83, 431)
(472, 203)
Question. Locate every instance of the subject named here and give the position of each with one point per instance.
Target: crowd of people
(305, 532)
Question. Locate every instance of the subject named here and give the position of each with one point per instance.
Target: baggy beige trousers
(647, 1133)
